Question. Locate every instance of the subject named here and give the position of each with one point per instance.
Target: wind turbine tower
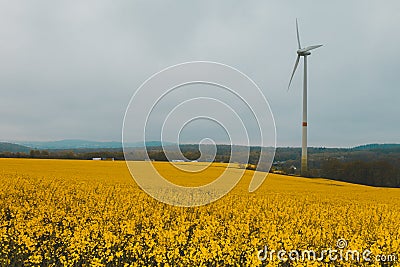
(303, 52)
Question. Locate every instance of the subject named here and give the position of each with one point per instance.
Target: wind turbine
(303, 52)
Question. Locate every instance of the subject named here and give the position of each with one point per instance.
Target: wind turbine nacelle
(303, 52)
(306, 51)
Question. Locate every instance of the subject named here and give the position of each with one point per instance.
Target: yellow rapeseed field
(91, 213)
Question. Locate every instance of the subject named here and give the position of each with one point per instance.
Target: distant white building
(108, 159)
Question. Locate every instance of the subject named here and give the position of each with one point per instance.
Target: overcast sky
(69, 68)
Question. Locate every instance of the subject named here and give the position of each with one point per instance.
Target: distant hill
(78, 144)
(26, 146)
(9, 147)
(69, 144)
(377, 146)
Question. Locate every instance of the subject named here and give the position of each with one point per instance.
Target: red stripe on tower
(305, 124)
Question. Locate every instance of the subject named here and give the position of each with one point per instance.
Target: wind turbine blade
(294, 70)
(298, 35)
(308, 48)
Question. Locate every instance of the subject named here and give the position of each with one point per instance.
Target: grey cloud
(68, 69)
